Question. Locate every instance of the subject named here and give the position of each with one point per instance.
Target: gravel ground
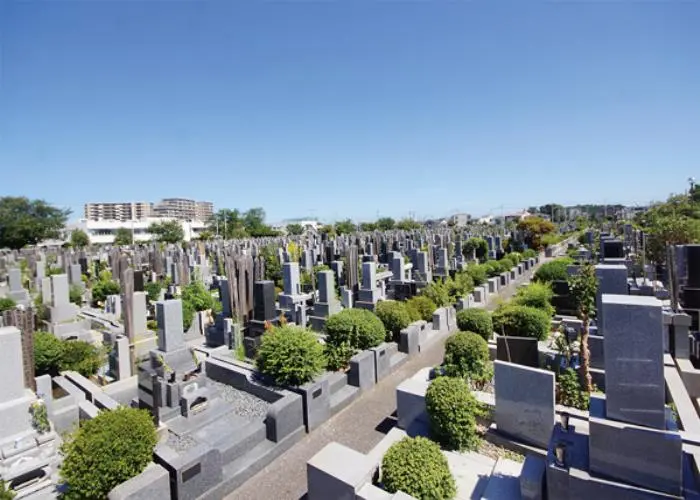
(244, 404)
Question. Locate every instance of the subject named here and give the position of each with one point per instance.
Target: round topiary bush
(421, 307)
(106, 451)
(359, 328)
(417, 467)
(477, 321)
(521, 321)
(452, 410)
(467, 356)
(395, 317)
(290, 355)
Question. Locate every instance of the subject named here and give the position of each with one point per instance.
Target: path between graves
(360, 426)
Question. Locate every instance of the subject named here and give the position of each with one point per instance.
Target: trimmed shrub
(338, 356)
(290, 355)
(6, 303)
(521, 321)
(438, 292)
(82, 357)
(554, 270)
(417, 467)
(477, 321)
(106, 451)
(395, 317)
(569, 392)
(48, 352)
(529, 254)
(358, 328)
(467, 356)
(452, 410)
(537, 295)
(478, 273)
(421, 307)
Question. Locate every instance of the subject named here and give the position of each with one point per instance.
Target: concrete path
(360, 426)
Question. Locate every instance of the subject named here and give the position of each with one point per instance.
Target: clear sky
(349, 108)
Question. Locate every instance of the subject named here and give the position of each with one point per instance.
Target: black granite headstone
(692, 255)
(264, 300)
(138, 281)
(518, 350)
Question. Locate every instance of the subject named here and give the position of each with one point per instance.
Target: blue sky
(349, 108)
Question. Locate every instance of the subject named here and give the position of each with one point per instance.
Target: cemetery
(585, 382)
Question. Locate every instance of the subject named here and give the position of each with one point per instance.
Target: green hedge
(290, 355)
(521, 321)
(476, 320)
(106, 451)
(452, 410)
(554, 270)
(417, 467)
(358, 328)
(467, 356)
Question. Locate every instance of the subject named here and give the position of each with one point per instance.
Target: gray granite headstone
(634, 369)
(170, 327)
(524, 402)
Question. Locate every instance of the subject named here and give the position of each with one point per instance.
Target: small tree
(122, 237)
(521, 321)
(583, 288)
(538, 295)
(75, 295)
(79, 238)
(386, 223)
(106, 451)
(290, 355)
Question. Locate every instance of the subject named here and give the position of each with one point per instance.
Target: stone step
(343, 397)
(336, 381)
(504, 483)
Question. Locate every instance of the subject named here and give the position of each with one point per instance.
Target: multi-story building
(203, 210)
(118, 211)
(170, 208)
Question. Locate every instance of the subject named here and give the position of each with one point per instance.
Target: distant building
(118, 211)
(103, 231)
(461, 220)
(169, 208)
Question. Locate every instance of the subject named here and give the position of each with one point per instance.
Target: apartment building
(118, 211)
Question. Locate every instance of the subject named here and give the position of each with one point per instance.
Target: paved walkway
(360, 426)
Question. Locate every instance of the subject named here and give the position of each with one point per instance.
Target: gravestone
(518, 350)
(524, 402)
(634, 378)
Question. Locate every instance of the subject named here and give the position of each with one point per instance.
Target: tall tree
(167, 231)
(28, 222)
(386, 223)
(583, 287)
(294, 229)
(345, 227)
(533, 229)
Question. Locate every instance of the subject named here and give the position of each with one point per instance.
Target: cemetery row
(220, 416)
(634, 435)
